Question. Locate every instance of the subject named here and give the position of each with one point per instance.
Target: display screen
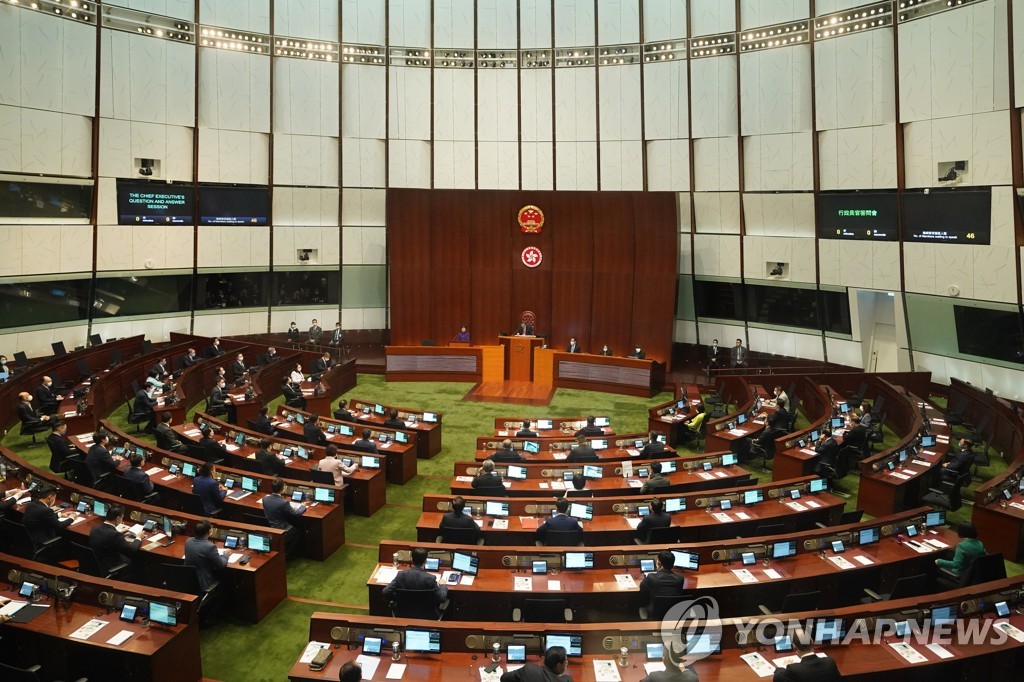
(728, 460)
(323, 495)
(829, 630)
(944, 615)
(935, 518)
(689, 561)
(858, 215)
(675, 504)
(989, 333)
(581, 511)
(153, 203)
(258, 543)
(164, 614)
(868, 536)
(781, 550)
(948, 217)
(591, 471)
(573, 644)
(492, 508)
(45, 200)
(531, 446)
(465, 563)
(425, 641)
(371, 645)
(544, 424)
(516, 472)
(753, 496)
(578, 560)
(241, 205)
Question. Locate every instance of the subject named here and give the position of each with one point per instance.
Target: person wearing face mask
(190, 358)
(293, 333)
(5, 371)
(28, 416)
(46, 397)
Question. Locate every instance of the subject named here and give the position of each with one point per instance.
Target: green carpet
(239, 651)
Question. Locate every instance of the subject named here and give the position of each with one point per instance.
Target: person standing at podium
(525, 329)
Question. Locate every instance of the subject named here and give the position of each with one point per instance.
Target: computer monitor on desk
(163, 614)
(545, 424)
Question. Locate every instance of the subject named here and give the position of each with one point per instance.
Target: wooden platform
(512, 392)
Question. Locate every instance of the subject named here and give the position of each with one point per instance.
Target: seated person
(674, 670)
(293, 333)
(590, 429)
(213, 451)
(605, 350)
(270, 463)
(638, 353)
(27, 415)
(524, 329)
(856, 437)
(960, 463)
(140, 478)
(335, 465)
(237, 368)
(693, 426)
(462, 336)
(209, 490)
(579, 487)
(573, 346)
(488, 478)
(366, 443)
(201, 553)
(219, 398)
(553, 670)
(653, 449)
(320, 365)
(506, 453)
(967, 550)
(811, 666)
(292, 395)
(457, 518)
(416, 578)
(526, 431)
(560, 521)
(166, 438)
(108, 544)
(343, 412)
(264, 424)
(582, 451)
(98, 459)
(268, 357)
(282, 515)
(779, 394)
(47, 397)
(656, 518)
(6, 371)
(145, 406)
(655, 479)
(394, 421)
(60, 450)
(663, 582)
(296, 376)
(190, 358)
(214, 351)
(313, 433)
(40, 520)
(828, 451)
(777, 423)
(866, 418)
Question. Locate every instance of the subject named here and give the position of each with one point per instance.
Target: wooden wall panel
(608, 274)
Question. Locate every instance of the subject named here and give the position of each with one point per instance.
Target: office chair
(135, 387)
(256, 520)
(182, 578)
(660, 536)
(795, 601)
(10, 673)
(660, 605)
(562, 538)
(134, 417)
(32, 428)
(420, 604)
(193, 504)
(976, 433)
(986, 568)
(853, 516)
(906, 587)
(133, 491)
(948, 495)
(955, 415)
(80, 473)
(322, 477)
(460, 536)
(765, 451)
(59, 464)
(543, 610)
(769, 529)
(858, 396)
(718, 402)
(20, 543)
(87, 563)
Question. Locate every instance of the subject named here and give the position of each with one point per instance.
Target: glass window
(38, 303)
(307, 287)
(45, 200)
(142, 295)
(231, 290)
(721, 300)
(835, 312)
(782, 306)
(989, 333)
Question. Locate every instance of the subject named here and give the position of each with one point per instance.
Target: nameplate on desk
(705, 475)
(796, 506)
(72, 413)
(502, 433)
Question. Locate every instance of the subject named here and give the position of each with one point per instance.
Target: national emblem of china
(531, 219)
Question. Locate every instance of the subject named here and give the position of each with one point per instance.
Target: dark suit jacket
(525, 329)
(394, 423)
(209, 492)
(59, 451)
(45, 396)
(41, 522)
(314, 334)
(26, 414)
(573, 348)
(187, 361)
(338, 335)
(654, 482)
(319, 366)
(582, 453)
(856, 437)
(313, 434)
(639, 356)
(143, 403)
(415, 579)
(713, 353)
(168, 435)
(590, 431)
(292, 395)
(961, 463)
(214, 351)
(453, 520)
(779, 419)
(827, 451)
(207, 560)
(560, 522)
(263, 425)
(110, 546)
(738, 354)
(213, 449)
(652, 450)
(661, 584)
(236, 369)
(270, 464)
(267, 358)
(531, 672)
(365, 445)
(139, 478)
(489, 482)
(526, 433)
(811, 668)
(652, 520)
(503, 455)
(279, 512)
(99, 461)
(607, 352)
(159, 370)
(344, 415)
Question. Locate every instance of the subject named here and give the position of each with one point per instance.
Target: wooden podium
(519, 356)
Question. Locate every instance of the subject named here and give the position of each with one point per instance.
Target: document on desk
(502, 433)
(841, 562)
(464, 479)
(759, 664)
(230, 447)
(493, 676)
(523, 584)
(633, 521)
(368, 664)
(722, 517)
(385, 574)
(633, 452)
(153, 471)
(554, 586)
(908, 653)
(467, 580)
(529, 522)
(625, 581)
(558, 485)
(737, 432)
(235, 556)
(937, 544)
(560, 455)
(743, 516)
(863, 560)
(12, 607)
(169, 477)
(634, 483)
(120, 638)
(705, 475)
(500, 524)
(395, 672)
(744, 575)
(939, 650)
(796, 506)
(88, 630)
(605, 670)
(653, 667)
(812, 504)
(1010, 630)
(902, 477)
(192, 432)
(627, 469)
(721, 474)
(78, 520)
(919, 547)
(543, 485)
(1017, 505)
(311, 650)
(772, 573)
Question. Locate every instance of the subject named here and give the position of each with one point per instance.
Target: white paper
(634, 483)
(627, 469)
(78, 520)
(493, 676)
(939, 650)
(724, 518)
(653, 666)
(169, 477)
(120, 638)
(841, 562)
(918, 547)
(720, 474)
(738, 432)
(742, 516)
(900, 476)
(633, 521)
(705, 475)
(796, 506)
(153, 471)
(235, 556)
(907, 652)
(772, 573)
(523, 584)
(88, 630)
(464, 479)
(558, 485)
(554, 586)
(605, 670)
(744, 575)
(938, 544)
(1010, 630)
(12, 607)
(500, 524)
(543, 485)
(395, 672)
(812, 504)
(386, 574)
(467, 579)
(625, 581)
(863, 560)
(758, 663)
(369, 665)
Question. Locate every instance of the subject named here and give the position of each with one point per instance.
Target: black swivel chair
(562, 538)
(135, 417)
(955, 414)
(986, 568)
(905, 587)
(948, 495)
(10, 673)
(543, 610)
(460, 536)
(322, 477)
(795, 601)
(133, 491)
(419, 604)
(256, 520)
(660, 605)
(32, 428)
(20, 543)
(769, 529)
(660, 536)
(193, 504)
(182, 578)
(87, 563)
